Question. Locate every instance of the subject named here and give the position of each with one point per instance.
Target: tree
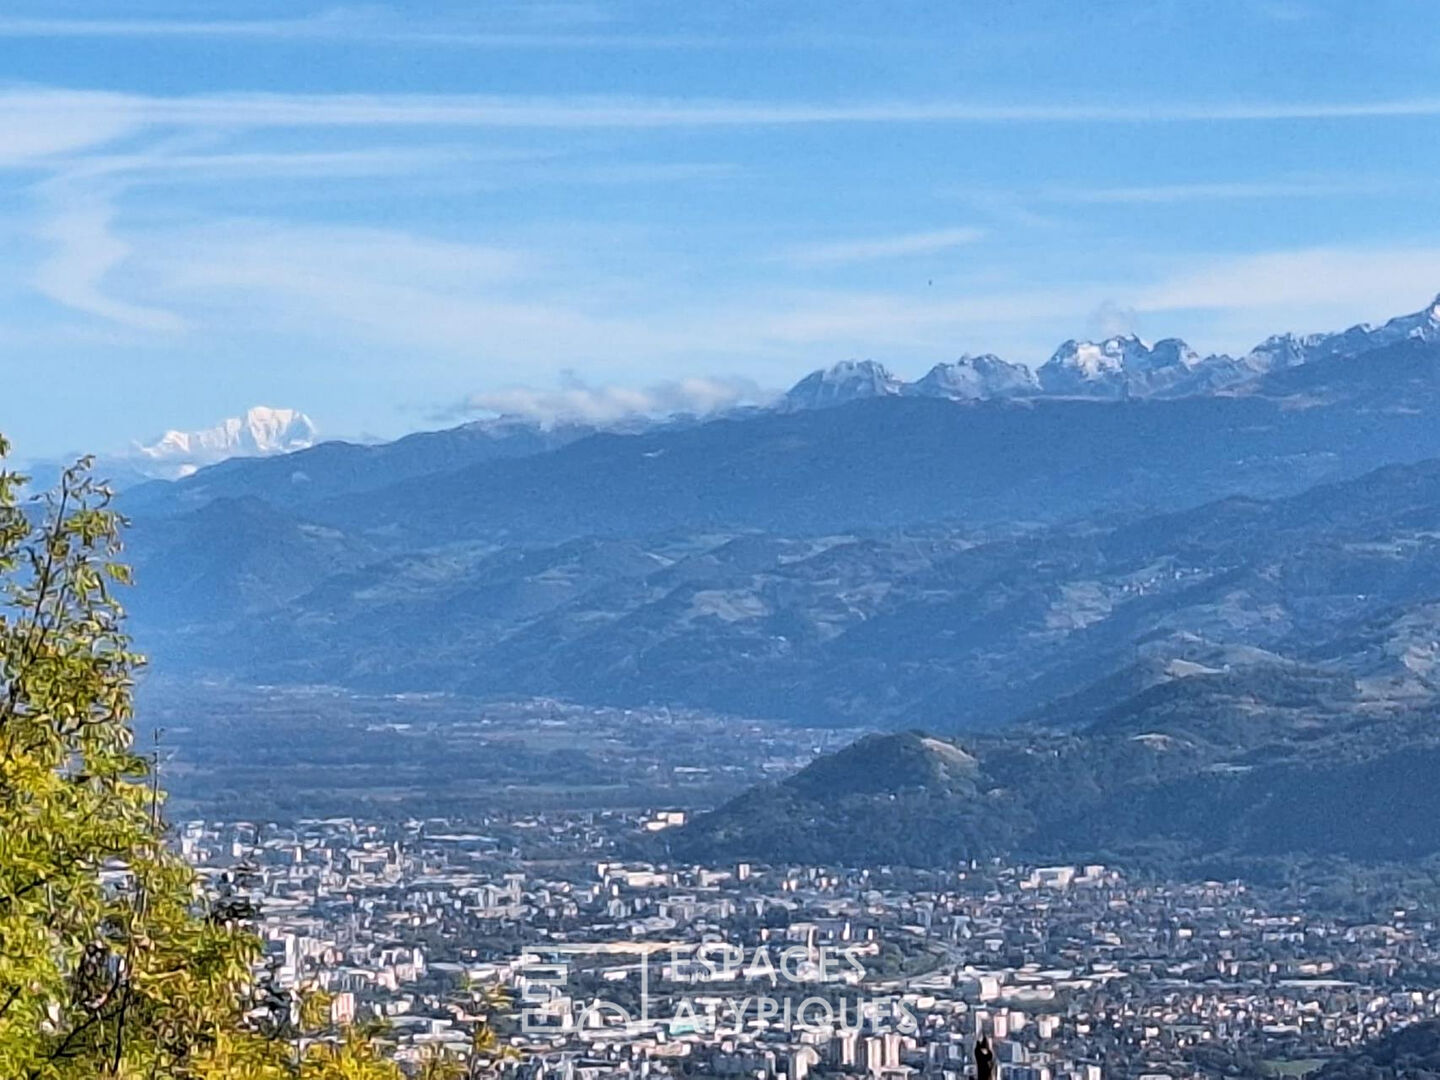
(113, 962)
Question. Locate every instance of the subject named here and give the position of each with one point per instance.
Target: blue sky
(392, 216)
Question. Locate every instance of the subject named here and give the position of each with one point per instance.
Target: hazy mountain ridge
(1204, 611)
(1240, 764)
(1201, 745)
(939, 627)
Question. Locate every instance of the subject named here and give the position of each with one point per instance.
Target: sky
(398, 216)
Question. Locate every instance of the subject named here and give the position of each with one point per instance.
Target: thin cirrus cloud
(61, 130)
(124, 170)
(1130, 195)
(86, 255)
(1309, 289)
(33, 128)
(350, 26)
(395, 289)
(1366, 281)
(21, 27)
(464, 110)
(84, 251)
(488, 168)
(883, 247)
(388, 288)
(77, 219)
(30, 117)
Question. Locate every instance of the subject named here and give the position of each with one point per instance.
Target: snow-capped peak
(1172, 352)
(1119, 366)
(849, 380)
(976, 378)
(1095, 360)
(262, 431)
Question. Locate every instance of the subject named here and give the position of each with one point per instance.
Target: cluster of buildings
(615, 969)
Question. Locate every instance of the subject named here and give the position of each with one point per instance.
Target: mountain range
(1122, 366)
(1132, 607)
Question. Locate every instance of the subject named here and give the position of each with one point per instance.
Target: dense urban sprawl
(620, 968)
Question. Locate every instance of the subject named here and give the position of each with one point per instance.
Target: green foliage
(113, 964)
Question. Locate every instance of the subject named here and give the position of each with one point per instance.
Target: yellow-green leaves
(111, 966)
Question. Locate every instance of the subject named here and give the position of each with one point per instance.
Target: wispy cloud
(21, 27)
(84, 252)
(36, 126)
(865, 321)
(1224, 190)
(354, 25)
(240, 250)
(1233, 300)
(1110, 319)
(385, 288)
(577, 400)
(341, 110)
(1322, 278)
(173, 167)
(645, 172)
(32, 117)
(516, 313)
(491, 304)
(488, 167)
(884, 247)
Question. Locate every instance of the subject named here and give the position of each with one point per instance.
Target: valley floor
(277, 754)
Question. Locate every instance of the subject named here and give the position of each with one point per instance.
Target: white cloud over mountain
(581, 402)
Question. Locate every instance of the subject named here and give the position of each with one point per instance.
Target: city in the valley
(586, 964)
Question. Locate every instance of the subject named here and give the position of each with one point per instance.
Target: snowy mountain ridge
(1123, 366)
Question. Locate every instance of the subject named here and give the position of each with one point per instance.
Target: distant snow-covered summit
(975, 378)
(849, 380)
(1123, 366)
(262, 431)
